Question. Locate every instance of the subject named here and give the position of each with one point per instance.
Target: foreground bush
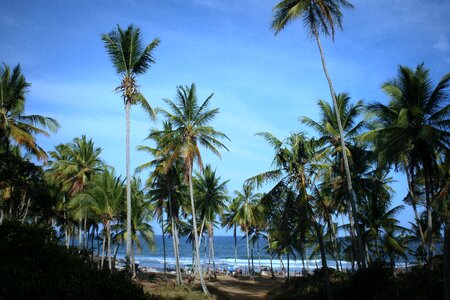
(34, 266)
(377, 282)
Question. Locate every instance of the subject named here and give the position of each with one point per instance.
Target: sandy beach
(224, 287)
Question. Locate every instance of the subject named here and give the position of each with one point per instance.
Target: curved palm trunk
(127, 142)
(324, 262)
(344, 156)
(194, 223)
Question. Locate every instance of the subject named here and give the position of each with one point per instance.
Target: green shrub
(34, 266)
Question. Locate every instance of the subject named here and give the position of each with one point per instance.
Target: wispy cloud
(442, 44)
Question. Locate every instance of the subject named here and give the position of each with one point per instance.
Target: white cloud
(442, 44)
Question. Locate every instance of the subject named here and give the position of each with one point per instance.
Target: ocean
(223, 253)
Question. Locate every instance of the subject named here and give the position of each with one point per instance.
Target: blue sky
(260, 82)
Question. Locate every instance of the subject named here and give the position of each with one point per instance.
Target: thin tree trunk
(108, 232)
(194, 223)
(248, 254)
(211, 245)
(334, 241)
(128, 189)
(133, 264)
(414, 203)
(259, 257)
(103, 252)
(164, 245)
(270, 256)
(288, 271)
(115, 254)
(344, 155)
(174, 239)
(80, 240)
(324, 262)
(85, 245)
(235, 246)
(447, 261)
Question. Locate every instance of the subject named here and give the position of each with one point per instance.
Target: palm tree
(191, 130)
(330, 135)
(107, 193)
(228, 220)
(15, 127)
(413, 131)
(247, 199)
(130, 59)
(319, 16)
(165, 184)
(78, 162)
(211, 197)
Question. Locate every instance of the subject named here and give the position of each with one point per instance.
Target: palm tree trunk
(127, 142)
(334, 241)
(235, 246)
(248, 254)
(133, 264)
(174, 239)
(259, 257)
(85, 245)
(324, 261)
(211, 245)
(164, 245)
(108, 232)
(447, 261)
(194, 223)
(270, 256)
(103, 252)
(414, 202)
(344, 155)
(80, 240)
(288, 271)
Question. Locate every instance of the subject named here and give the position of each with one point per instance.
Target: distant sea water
(223, 254)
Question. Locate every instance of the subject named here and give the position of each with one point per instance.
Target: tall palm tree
(130, 59)
(318, 16)
(190, 131)
(413, 131)
(15, 127)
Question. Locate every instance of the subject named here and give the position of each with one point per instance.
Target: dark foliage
(34, 266)
(377, 282)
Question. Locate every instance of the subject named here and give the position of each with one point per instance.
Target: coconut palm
(165, 184)
(78, 162)
(247, 199)
(130, 59)
(413, 131)
(15, 127)
(190, 131)
(318, 16)
(211, 197)
(229, 221)
(107, 192)
(330, 135)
